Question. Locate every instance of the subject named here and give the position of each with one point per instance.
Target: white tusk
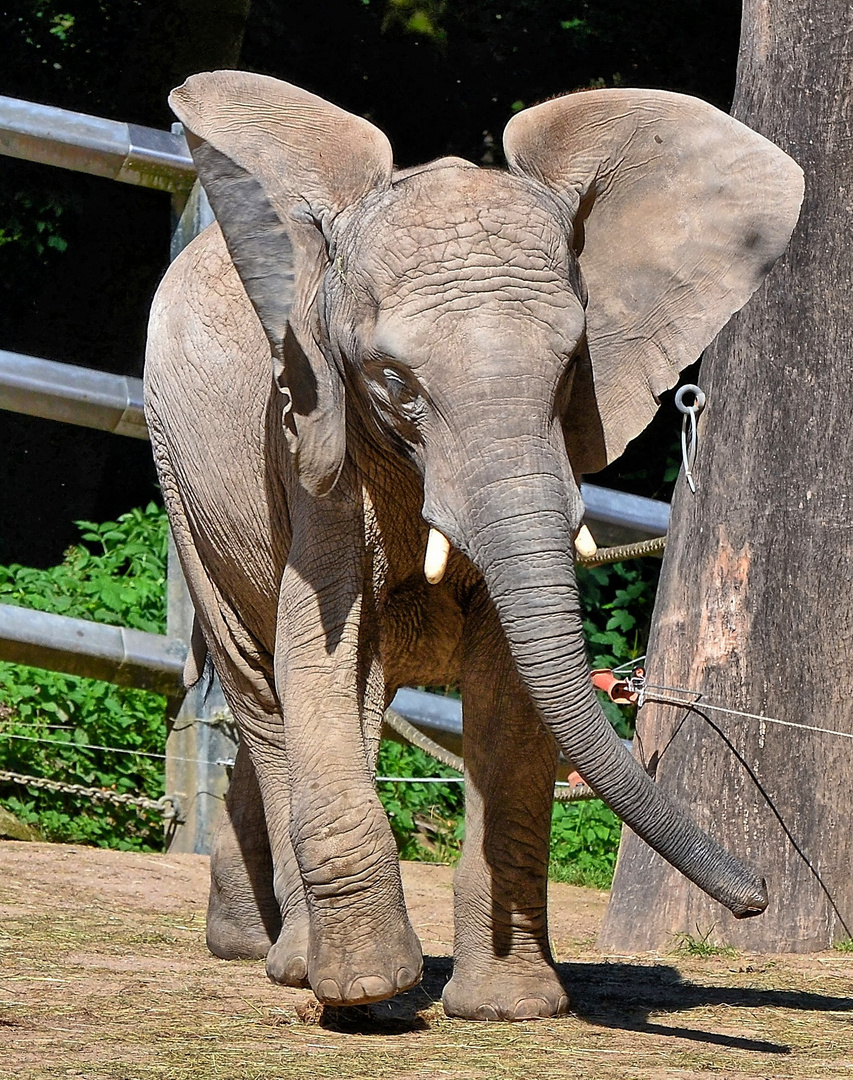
(435, 560)
(585, 545)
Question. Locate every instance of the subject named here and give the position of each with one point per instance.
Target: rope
(606, 555)
(165, 805)
(423, 742)
(562, 792)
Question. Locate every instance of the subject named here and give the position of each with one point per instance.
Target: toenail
(370, 988)
(328, 991)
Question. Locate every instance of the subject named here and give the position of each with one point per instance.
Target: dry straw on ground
(105, 976)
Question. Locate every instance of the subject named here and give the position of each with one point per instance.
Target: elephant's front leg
(361, 945)
(503, 969)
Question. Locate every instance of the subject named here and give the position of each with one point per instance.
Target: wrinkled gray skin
(435, 362)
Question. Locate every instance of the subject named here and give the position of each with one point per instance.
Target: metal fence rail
(95, 650)
(127, 152)
(73, 395)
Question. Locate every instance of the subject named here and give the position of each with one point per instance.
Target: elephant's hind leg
(257, 901)
(257, 905)
(243, 914)
(503, 969)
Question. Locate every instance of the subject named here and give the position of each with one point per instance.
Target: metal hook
(690, 413)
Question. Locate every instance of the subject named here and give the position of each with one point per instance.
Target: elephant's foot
(287, 962)
(240, 932)
(503, 992)
(370, 970)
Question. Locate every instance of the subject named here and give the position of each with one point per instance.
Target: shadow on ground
(608, 994)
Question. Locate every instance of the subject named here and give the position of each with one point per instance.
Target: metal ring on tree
(690, 413)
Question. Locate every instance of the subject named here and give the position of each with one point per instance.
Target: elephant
(371, 394)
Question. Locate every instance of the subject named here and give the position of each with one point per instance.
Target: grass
(702, 945)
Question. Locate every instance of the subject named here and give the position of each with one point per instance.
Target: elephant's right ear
(279, 165)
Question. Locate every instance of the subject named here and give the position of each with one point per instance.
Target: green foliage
(31, 224)
(584, 843)
(845, 946)
(701, 944)
(617, 605)
(617, 602)
(426, 819)
(117, 575)
(121, 581)
(419, 17)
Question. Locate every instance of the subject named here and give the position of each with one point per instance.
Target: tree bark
(755, 607)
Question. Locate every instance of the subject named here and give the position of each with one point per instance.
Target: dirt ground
(105, 975)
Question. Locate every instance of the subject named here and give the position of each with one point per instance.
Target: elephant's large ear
(279, 165)
(679, 212)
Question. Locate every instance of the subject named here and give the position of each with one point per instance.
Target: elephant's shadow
(605, 994)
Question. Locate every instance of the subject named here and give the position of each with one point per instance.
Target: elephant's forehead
(461, 228)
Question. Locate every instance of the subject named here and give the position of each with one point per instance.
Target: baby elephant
(371, 395)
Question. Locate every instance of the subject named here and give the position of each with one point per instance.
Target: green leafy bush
(116, 575)
(617, 602)
(426, 819)
(584, 843)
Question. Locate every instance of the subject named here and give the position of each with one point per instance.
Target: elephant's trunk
(518, 533)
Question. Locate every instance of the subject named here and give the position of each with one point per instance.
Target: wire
(94, 746)
(420, 779)
(699, 703)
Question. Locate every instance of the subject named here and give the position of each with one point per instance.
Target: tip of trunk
(748, 909)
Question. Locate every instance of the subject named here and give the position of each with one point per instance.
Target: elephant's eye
(399, 390)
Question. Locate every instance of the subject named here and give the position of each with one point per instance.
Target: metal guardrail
(615, 517)
(439, 717)
(129, 153)
(94, 650)
(73, 395)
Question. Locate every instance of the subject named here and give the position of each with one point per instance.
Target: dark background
(80, 257)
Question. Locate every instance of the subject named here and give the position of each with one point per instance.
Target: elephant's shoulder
(202, 284)
(204, 258)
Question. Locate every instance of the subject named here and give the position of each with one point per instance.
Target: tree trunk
(755, 608)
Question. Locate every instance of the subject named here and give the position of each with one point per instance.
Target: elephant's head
(503, 331)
